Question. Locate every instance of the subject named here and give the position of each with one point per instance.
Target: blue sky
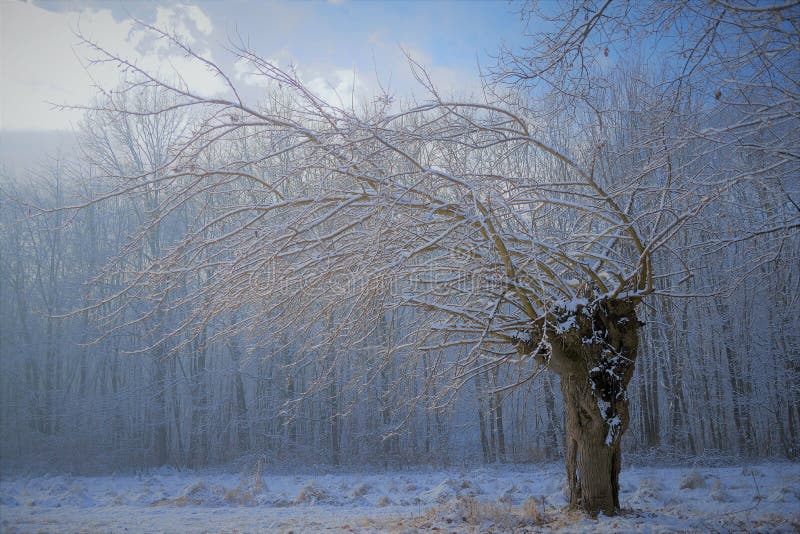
(337, 46)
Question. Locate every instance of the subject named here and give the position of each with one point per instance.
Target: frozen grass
(521, 498)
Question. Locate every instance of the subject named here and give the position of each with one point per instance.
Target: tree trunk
(487, 456)
(593, 453)
(159, 412)
(592, 346)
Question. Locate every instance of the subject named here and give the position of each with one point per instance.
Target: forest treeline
(717, 375)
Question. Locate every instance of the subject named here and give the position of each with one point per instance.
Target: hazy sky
(337, 47)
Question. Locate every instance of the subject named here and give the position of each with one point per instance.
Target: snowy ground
(761, 498)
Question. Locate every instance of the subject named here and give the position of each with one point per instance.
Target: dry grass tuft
(360, 490)
(238, 496)
(692, 480)
(532, 512)
(468, 511)
(311, 493)
(258, 483)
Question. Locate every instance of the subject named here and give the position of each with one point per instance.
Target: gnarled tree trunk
(592, 346)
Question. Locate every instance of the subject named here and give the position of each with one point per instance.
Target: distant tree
(129, 151)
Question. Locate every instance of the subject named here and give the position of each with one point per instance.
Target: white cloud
(447, 81)
(338, 86)
(342, 87)
(177, 20)
(199, 17)
(39, 59)
(247, 73)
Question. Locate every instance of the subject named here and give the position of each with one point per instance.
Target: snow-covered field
(518, 498)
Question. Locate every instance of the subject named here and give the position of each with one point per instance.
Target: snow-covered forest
(596, 257)
(716, 375)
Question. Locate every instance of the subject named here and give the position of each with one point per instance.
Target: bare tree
(507, 248)
(718, 120)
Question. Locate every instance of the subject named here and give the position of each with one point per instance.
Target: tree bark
(594, 456)
(592, 346)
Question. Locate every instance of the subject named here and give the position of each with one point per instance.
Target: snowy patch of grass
(692, 480)
(648, 492)
(725, 499)
(312, 493)
(509, 496)
(359, 490)
(238, 496)
(718, 492)
(750, 471)
(441, 493)
(467, 511)
(784, 494)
